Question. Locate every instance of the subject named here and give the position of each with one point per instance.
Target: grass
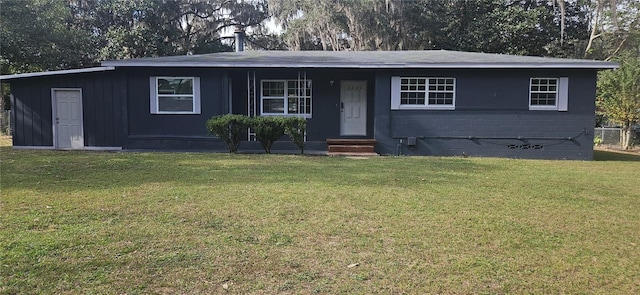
(189, 223)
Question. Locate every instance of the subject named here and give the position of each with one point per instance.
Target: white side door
(67, 117)
(353, 108)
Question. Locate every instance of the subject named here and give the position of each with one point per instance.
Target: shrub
(597, 140)
(230, 128)
(296, 128)
(268, 130)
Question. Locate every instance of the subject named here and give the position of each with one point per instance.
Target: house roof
(62, 72)
(434, 59)
(360, 59)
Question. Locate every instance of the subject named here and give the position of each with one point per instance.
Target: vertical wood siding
(100, 100)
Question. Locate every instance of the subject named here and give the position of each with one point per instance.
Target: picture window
(175, 95)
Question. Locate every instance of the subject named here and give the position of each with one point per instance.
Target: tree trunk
(626, 136)
(561, 5)
(594, 28)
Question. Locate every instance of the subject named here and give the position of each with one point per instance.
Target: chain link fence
(613, 136)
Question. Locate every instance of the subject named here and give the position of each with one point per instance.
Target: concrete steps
(351, 147)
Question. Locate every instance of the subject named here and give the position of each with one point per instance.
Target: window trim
(396, 93)
(154, 102)
(562, 95)
(285, 98)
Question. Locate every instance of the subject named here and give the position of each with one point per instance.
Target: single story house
(433, 102)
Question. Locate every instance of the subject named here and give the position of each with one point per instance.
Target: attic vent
(525, 146)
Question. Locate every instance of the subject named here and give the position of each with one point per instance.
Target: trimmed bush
(230, 128)
(268, 130)
(296, 128)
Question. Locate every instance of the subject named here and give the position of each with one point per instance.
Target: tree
(525, 27)
(614, 28)
(38, 35)
(309, 24)
(139, 28)
(262, 38)
(619, 95)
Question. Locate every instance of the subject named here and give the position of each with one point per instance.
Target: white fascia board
(368, 66)
(51, 73)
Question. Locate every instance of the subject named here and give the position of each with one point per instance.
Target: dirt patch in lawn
(618, 149)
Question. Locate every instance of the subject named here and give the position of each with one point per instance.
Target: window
(412, 91)
(548, 94)
(175, 95)
(441, 91)
(423, 93)
(286, 97)
(544, 91)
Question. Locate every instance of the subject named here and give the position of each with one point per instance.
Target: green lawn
(189, 223)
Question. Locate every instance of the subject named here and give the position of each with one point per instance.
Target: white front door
(67, 116)
(353, 108)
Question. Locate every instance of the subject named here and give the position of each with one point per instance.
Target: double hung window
(286, 97)
(548, 94)
(544, 91)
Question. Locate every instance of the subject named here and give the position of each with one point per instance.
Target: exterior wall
(325, 120)
(170, 131)
(102, 106)
(492, 117)
(174, 131)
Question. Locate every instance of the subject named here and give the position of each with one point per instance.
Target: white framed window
(174, 95)
(549, 94)
(286, 97)
(436, 93)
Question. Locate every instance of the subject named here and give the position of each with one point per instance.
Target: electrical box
(411, 141)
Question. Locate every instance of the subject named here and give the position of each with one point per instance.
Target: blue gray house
(410, 102)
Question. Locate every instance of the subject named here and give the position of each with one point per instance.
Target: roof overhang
(366, 66)
(416, 59)
(428, 59)
(52, 73)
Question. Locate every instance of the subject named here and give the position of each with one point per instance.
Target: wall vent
(525, 146)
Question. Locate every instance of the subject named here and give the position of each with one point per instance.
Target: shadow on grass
(615, 156)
